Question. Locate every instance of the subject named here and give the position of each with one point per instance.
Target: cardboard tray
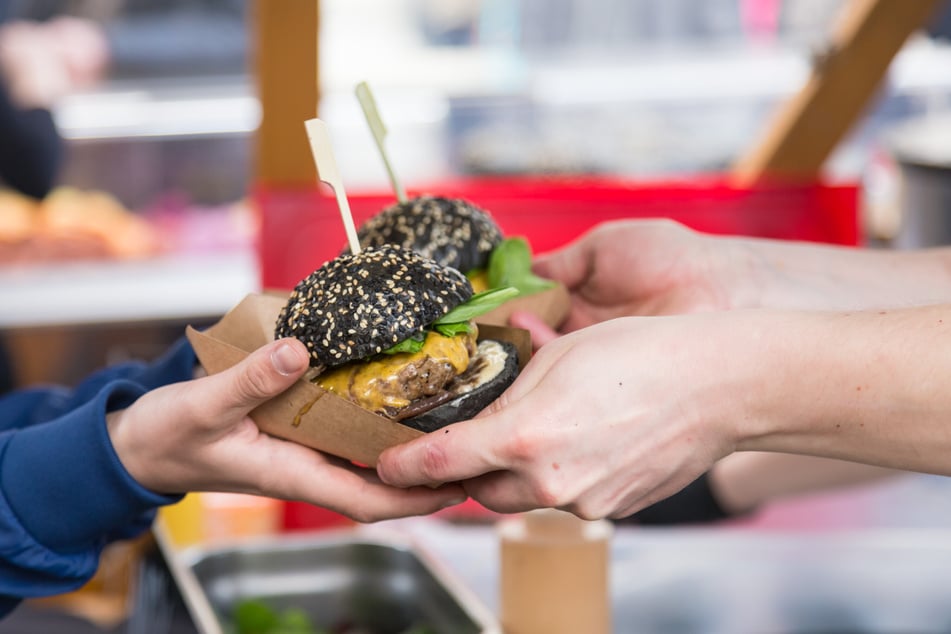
(306, 413)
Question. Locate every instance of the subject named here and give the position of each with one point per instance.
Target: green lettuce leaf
(456, 321)
(478, 304)
(510, 264)
(412, 345)
(451, 330)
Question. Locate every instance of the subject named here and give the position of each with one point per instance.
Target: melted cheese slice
(375, 385)
(479, 280)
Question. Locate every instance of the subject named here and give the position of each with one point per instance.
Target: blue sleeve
(36, 405)
(64, 494)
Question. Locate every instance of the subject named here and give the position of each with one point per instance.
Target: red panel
(301, 229)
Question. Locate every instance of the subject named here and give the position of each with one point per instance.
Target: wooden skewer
(328, 173)
(370, 111)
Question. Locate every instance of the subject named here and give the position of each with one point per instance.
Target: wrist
(740, 360)
(115, 429)
(742, 270)
(125, 447)
(789, 360)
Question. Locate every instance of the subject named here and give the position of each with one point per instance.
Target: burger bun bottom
(491, 371)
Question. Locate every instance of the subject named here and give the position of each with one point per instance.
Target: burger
(456, 233)
(451, 231)
(392, 331)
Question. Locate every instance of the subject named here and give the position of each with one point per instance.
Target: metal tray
(379, 584)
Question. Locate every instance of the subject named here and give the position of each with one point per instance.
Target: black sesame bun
(358, 305)
(368, 322)
(451, 231)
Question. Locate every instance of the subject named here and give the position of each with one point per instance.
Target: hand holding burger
(196, 436)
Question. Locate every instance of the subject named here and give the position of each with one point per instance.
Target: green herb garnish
(478, 304)
(412, 345)
(451, 330)
(456, 321)
(510, 264)
(252, 616)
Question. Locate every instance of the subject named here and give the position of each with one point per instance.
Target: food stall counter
(173, 287)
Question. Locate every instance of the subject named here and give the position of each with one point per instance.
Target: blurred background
(637, 88)
(153, 217)
(155, 178)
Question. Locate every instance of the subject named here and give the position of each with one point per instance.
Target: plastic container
(341, 580)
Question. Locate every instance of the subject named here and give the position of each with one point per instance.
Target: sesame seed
(385, 292)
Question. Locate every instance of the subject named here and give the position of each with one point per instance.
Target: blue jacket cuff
(177, 364)
(64, 481)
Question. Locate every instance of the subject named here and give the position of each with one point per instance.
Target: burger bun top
(451, 231)
(355, 306)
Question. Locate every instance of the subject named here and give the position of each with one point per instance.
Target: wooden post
(285, 65)
(807, 128)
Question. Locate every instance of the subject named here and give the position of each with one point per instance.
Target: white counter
(168, 288)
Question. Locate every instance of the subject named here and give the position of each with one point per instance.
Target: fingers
(462, 450)
(525, 490)
(489, 442)
(312, 477)
(363, 498)
(286, 470)
(541, 332)
(266, 373)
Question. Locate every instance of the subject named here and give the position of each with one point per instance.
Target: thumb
(264, 374)
(568, 265)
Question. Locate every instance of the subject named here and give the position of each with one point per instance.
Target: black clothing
(31, 150)
(694, 504)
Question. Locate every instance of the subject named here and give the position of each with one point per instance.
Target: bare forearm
(868, 387)
(746, 480)
(799, 275)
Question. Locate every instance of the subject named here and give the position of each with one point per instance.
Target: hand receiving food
(197, 436)
(635, 268)
(584, 428)
(659, 267)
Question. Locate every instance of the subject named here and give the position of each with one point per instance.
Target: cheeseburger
(391, 330)
(451, 231)
(456, 233)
